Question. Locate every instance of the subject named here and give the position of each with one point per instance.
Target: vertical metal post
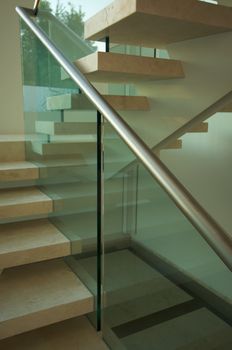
(155, 53)
(107, 41)
(36, 7)
(62, 115)
(99, 218)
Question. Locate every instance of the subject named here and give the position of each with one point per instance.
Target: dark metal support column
(107, 41)
(62, 115)
(99, 219)
(36, 7)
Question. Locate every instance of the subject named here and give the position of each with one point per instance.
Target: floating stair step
(20, 202)
(73, 334)
(31, 241)
(87, 129)
(227, 108)
(12, 148)
(64, 148)
(72, 170)
(202, 127)
(81, 197)
(80, 102)
(81, 229)
(65, 128)
(37, 295)
(114, 67)
(150, 23)
(177, 144)
(18, 171)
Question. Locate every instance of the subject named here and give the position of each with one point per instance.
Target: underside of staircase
(48, 191)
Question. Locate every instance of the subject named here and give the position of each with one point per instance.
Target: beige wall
(225, 2)
(208, 70)
(204, 166)
(11, 113)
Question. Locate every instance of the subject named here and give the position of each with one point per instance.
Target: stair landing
(150, 23)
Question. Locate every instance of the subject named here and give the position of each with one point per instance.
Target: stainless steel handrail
(209, 229)
(36, 7)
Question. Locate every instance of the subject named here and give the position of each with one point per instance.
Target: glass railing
(61, 140)
(164, 286)
(156, 274)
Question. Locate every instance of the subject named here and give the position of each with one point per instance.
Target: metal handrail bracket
(209, 229)
(36, 7)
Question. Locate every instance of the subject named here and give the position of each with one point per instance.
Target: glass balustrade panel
(164, 286)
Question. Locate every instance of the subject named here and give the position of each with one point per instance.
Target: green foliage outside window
(46, 72)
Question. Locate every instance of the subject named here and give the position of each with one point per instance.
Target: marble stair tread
(76, 197)
(81, 230)
(36, 295)
(80, 102)
(65, 128)
(202, 127)
(150, 23)
(79, 128)
(24, 201)
(73, 334)
(17, 171)
(77, 169)
(69, 147)
(114, 67)
(81, 190)
(227, 108)
(12, 148)
(31, 241)
(177, 144)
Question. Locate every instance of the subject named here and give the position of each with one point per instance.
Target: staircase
(48, 189)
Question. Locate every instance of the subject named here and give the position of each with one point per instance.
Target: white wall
(11, 112)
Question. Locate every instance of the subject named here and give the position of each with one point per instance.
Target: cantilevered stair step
(65, 148)
(31, 241)
(227, 108)
(177, 144)
(12, 148)
(37, 295)
(18, 171)
(65, 128)
(81, 197)
(150, 23)
(22, 202)
(88, 129)
(76, 333)
(81, 229)
(80, 102)
(202, 127)
(114, 67)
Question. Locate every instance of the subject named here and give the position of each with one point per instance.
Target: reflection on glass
(165, 288)
(60, 129)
